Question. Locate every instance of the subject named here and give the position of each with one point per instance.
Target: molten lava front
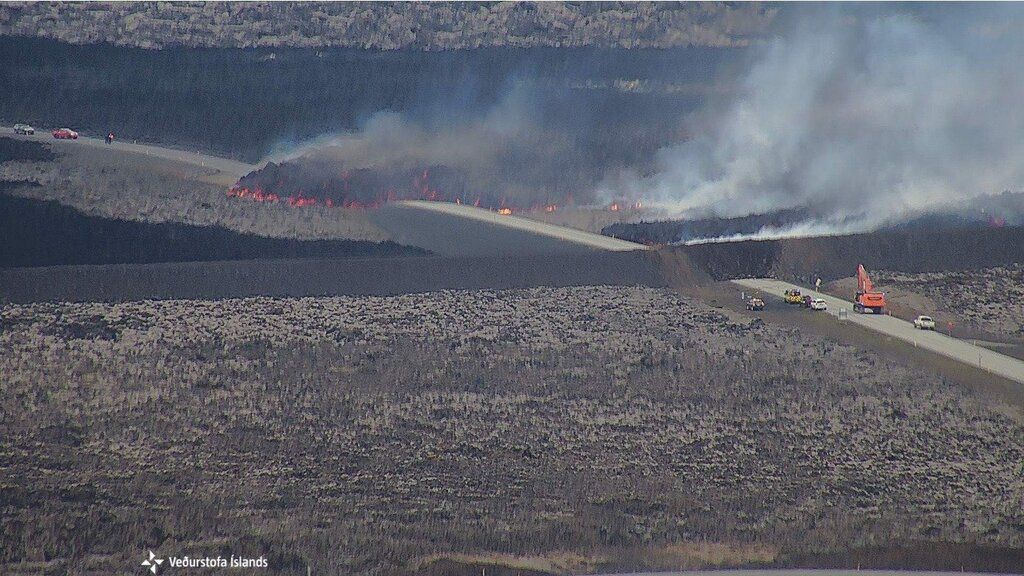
(299, 185)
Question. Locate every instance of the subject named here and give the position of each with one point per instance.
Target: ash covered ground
(587, 428)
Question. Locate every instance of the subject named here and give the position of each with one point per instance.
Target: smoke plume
(508, 154)
(864, 115)
(859, 116)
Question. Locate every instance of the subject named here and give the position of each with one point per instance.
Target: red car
(65, 134)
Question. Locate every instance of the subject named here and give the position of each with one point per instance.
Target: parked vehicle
(818, 304)
(924, 323)
(793, 297)
(65, 134)
(24, 129)
(755, 304)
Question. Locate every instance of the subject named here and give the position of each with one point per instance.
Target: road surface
(232, 168)
(561, 234)
(441, 227)
(937, 342)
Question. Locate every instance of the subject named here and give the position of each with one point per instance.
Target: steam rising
(865, 119)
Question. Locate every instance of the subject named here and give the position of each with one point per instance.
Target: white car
(924, 323)
(818, 304)
(24, 129)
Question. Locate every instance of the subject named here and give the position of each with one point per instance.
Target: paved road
(237, 169)
(533, 227)
(231, 167)
(959, 350)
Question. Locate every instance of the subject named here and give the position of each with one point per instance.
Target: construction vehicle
(793, 297)
(868, 300)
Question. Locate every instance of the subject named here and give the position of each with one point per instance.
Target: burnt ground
(13, 149)
(46, 233)
(673, 231)
(834, 257)
(977, 213)
(323, 277)
(113, 184)
(599, 426)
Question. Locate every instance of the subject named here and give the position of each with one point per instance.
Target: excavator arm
(867, 298)
(863, 280)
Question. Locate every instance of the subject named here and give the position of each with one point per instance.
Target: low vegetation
(560, 430)
(991, 299)
(391, 26)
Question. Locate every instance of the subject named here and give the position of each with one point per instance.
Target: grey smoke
(866, 115)
(508, 153)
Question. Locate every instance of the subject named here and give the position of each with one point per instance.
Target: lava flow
(301, 186)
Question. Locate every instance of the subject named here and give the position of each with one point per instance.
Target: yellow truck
(793, 297)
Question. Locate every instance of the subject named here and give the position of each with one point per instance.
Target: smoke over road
(510, 154)
(864, 118)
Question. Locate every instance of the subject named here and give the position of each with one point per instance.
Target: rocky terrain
(991, 299)
(389, 25)
(134, 187)
(563, 430)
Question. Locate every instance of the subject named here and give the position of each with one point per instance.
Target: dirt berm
(298, 277)
(833, 257)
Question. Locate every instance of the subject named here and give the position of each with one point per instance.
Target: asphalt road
(230, 167)
(459, 230)
(441, 227)
(959, 350)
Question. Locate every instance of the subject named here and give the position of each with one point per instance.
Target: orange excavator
(868, 300)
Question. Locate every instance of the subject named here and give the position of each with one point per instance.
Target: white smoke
(863, 115)
(503, 151)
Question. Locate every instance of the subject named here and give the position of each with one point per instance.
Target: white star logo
(153, 562)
